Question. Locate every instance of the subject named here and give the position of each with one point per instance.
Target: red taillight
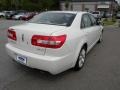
(12, 34)
(48, 41)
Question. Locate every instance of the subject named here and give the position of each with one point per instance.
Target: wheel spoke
(82, 58)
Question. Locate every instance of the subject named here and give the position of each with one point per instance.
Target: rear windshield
(52, 18)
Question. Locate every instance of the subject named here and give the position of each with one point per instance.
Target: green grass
(2, 17)
(109, 21)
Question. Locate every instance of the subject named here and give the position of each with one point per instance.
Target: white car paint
(2, 14)
(17, 17)
(96, 14)
(49, 59)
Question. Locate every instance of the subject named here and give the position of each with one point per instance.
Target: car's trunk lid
(25, 32)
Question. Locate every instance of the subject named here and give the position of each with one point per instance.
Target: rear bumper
(54, 65)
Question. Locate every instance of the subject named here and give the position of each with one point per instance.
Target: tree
(47, 4)
(31, 5)
(67, 4)
(119, 8)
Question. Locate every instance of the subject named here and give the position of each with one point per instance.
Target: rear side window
(93, 20)
(86, 22)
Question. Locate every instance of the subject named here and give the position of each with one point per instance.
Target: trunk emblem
(23, 37)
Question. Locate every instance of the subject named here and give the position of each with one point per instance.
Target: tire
(81, 60)
(101, 38)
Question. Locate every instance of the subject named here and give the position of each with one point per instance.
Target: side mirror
(98, 22)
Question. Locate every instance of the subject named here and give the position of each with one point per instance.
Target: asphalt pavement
(101, 71)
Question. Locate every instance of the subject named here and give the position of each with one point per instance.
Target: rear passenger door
(88, 29)
(97, 28)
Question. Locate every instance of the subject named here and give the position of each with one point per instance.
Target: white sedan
(2, 14)
(54, 41)
(18, 16)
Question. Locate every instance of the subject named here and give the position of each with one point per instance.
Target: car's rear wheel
(81, 59)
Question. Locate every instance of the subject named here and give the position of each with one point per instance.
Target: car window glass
(82, 25)
(93, 20)
(86, 20)
(54, 18)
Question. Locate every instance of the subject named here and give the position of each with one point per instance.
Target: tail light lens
(12, 34)
(48, 41)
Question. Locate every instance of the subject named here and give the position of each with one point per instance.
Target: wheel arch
(82, 45)
(85, 45)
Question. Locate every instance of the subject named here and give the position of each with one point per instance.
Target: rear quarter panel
(74, 41)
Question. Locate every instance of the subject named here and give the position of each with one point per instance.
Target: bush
(106, 19)
(113, 19)
(109, 21)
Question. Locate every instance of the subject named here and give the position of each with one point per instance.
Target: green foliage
(67, 4)
(114, 19)
(106, 19)
(109, 21)
(31, 5)
(119, 8)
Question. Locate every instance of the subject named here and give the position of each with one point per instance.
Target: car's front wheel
(81, 59)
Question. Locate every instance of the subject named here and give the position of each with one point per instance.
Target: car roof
(72, 12)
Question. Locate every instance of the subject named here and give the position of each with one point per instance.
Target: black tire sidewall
(76, 68)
